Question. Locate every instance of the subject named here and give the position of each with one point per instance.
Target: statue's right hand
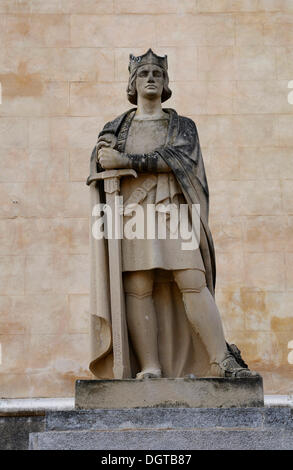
(110, 159)
(106, 140)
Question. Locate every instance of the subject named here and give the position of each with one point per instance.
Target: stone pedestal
(167, 414)
(167, 429)
(181, 392)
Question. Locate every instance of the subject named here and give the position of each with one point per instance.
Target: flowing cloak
(181, 351)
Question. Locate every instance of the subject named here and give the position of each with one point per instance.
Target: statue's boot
(229, 367)
(149, 374)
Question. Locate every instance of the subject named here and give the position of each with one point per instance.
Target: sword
(121, 356)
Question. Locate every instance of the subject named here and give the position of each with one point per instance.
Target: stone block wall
(63, 74)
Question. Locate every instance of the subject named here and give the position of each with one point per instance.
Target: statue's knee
(138, 283)
(190, 280)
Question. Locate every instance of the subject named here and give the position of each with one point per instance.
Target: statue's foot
(149, 374)
(229, 367)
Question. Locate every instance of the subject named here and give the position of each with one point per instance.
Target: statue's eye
(143, 73)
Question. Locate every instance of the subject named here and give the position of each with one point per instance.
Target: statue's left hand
(110, 159)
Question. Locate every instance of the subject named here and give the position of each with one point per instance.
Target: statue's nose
(151, 78)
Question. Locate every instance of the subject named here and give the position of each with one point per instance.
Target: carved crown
(148, 58)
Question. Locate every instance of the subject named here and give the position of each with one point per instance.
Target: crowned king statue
(173, 326)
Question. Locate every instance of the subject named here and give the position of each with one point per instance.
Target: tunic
(159, 189)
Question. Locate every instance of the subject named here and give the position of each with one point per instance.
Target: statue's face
(149, 81)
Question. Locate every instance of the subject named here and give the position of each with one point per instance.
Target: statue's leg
(202, 311)
(142, 321)
(205, 321)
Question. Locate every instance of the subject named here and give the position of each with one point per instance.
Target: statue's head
(150, 68)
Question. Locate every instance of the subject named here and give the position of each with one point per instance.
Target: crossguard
(111, 174)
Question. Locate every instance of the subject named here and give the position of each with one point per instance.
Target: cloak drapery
(179, 355)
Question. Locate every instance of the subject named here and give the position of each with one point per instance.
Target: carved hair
(132, 91)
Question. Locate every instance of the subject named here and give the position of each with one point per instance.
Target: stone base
(181, 392)
(259, 428)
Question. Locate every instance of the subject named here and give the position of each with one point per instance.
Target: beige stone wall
(63, 70)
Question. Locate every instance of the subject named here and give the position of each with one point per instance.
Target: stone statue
(174, 328)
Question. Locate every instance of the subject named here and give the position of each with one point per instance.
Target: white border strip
(278, 400)
(34, 405)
